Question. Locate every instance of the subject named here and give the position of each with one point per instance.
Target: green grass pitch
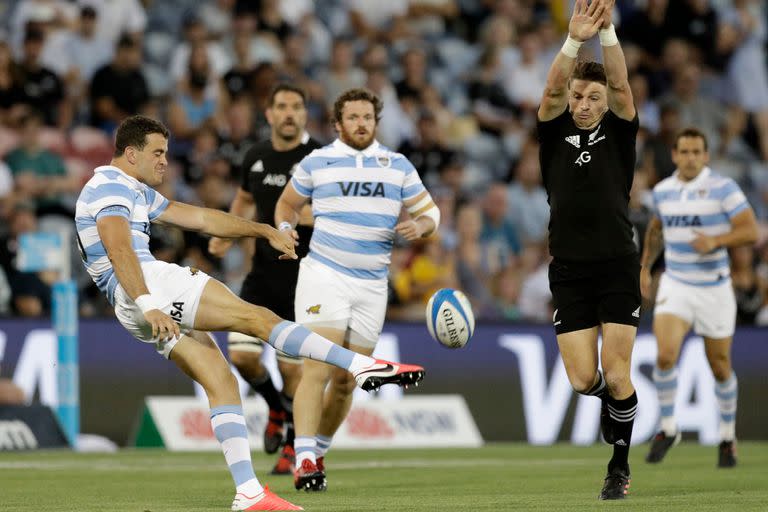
(498, 477)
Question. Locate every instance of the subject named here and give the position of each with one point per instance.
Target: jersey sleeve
(302, 180)
(412, 185)
(548, 129)
(624, 127)
(733, 199)
(108, 195)
(156, 204)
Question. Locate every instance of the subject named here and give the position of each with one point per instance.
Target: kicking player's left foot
(726, 454)
(660, 445)
(384, 372)
(616, 485)
(285, 463)
(267, 500)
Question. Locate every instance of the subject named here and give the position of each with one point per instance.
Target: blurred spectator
(31, 291)
(40, 174)
(115, 19)
(6, 191)
(535, 301)
(498, 234)
(524, 85)
(39, 15)
(119, 88)
(238, 138)
(195, 34)
(428, 17)
(527, 200)
(647, 110)
(414, 65)
(200, 101)
(748, 68)
(83, 53)
(270, 19)
(237, 78)
(11, 92)
(472, 266)
(342, 74)
(695, 109)
(427, 153)
(651, 20)
(507, 292)
(217, 15)
(375, 20)
(42, 89)
(750, 289)
(696, 22)
(656, 160)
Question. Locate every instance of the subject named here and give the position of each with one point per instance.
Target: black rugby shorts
(586, 294)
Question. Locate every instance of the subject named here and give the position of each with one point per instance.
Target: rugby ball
(449, 318)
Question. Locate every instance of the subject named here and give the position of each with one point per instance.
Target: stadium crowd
(460, 81)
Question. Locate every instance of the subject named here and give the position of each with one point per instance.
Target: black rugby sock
(266, 389)
(622, 413)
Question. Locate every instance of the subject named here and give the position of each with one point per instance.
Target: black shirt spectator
(41, 88)
(427, 154)
(119, 88)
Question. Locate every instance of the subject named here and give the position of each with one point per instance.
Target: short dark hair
(692, 133)
(286, 87)
(133, 131)
(357, 94)
(590, 71)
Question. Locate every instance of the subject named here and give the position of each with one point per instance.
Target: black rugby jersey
(265, 172)
(587, 175)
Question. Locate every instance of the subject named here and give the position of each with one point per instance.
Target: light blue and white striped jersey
(356, 201)
(112, 192)
(705, 204)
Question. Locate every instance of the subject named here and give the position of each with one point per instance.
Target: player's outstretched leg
(221, 310)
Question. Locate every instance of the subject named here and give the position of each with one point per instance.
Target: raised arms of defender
(620, 100)
(585, 22)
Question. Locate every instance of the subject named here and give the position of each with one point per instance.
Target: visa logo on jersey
(681, 221)
(362, 188)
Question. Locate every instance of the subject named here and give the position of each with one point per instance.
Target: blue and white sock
(305, 449)
(298, 341)
(323, 445)
(727, 393)
(666, 389)
(228, 425)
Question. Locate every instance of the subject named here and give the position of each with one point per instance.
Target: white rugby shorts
(711, 310)
(328, 298)
(178, 288)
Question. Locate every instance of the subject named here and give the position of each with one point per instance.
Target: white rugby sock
(298, 341)
(305, 449)
(666, 389)
(228, 425)
(727, 394)
(323, 445)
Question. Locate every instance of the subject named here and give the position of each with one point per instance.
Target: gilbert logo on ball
(449, 318)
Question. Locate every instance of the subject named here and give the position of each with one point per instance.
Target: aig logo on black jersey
(279, 180)
(584, 158)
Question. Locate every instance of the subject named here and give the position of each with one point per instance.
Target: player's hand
(163, 325)
(607, 14)
(586, 19)
(219, 246)
(410, 230)
(704, 244)
(645, 283)
(285, 242)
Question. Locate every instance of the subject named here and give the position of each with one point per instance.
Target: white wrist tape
(434, 214)
(571, 47)
(285, 226)
(147, 302)
(608, 36)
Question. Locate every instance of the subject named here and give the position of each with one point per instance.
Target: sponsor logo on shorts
(177, 310)
(314, 310)
(555, 320)
(193, 270)
(636, 313)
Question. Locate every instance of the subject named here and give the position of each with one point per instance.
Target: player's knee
(343, 383)
(616, 379)
(582, 382)
(666, 359)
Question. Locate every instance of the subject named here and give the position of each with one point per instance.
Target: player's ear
(130, 155)
(268, 115)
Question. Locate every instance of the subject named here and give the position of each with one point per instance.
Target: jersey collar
(350, 151)
(705, 172)
(136, 183)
